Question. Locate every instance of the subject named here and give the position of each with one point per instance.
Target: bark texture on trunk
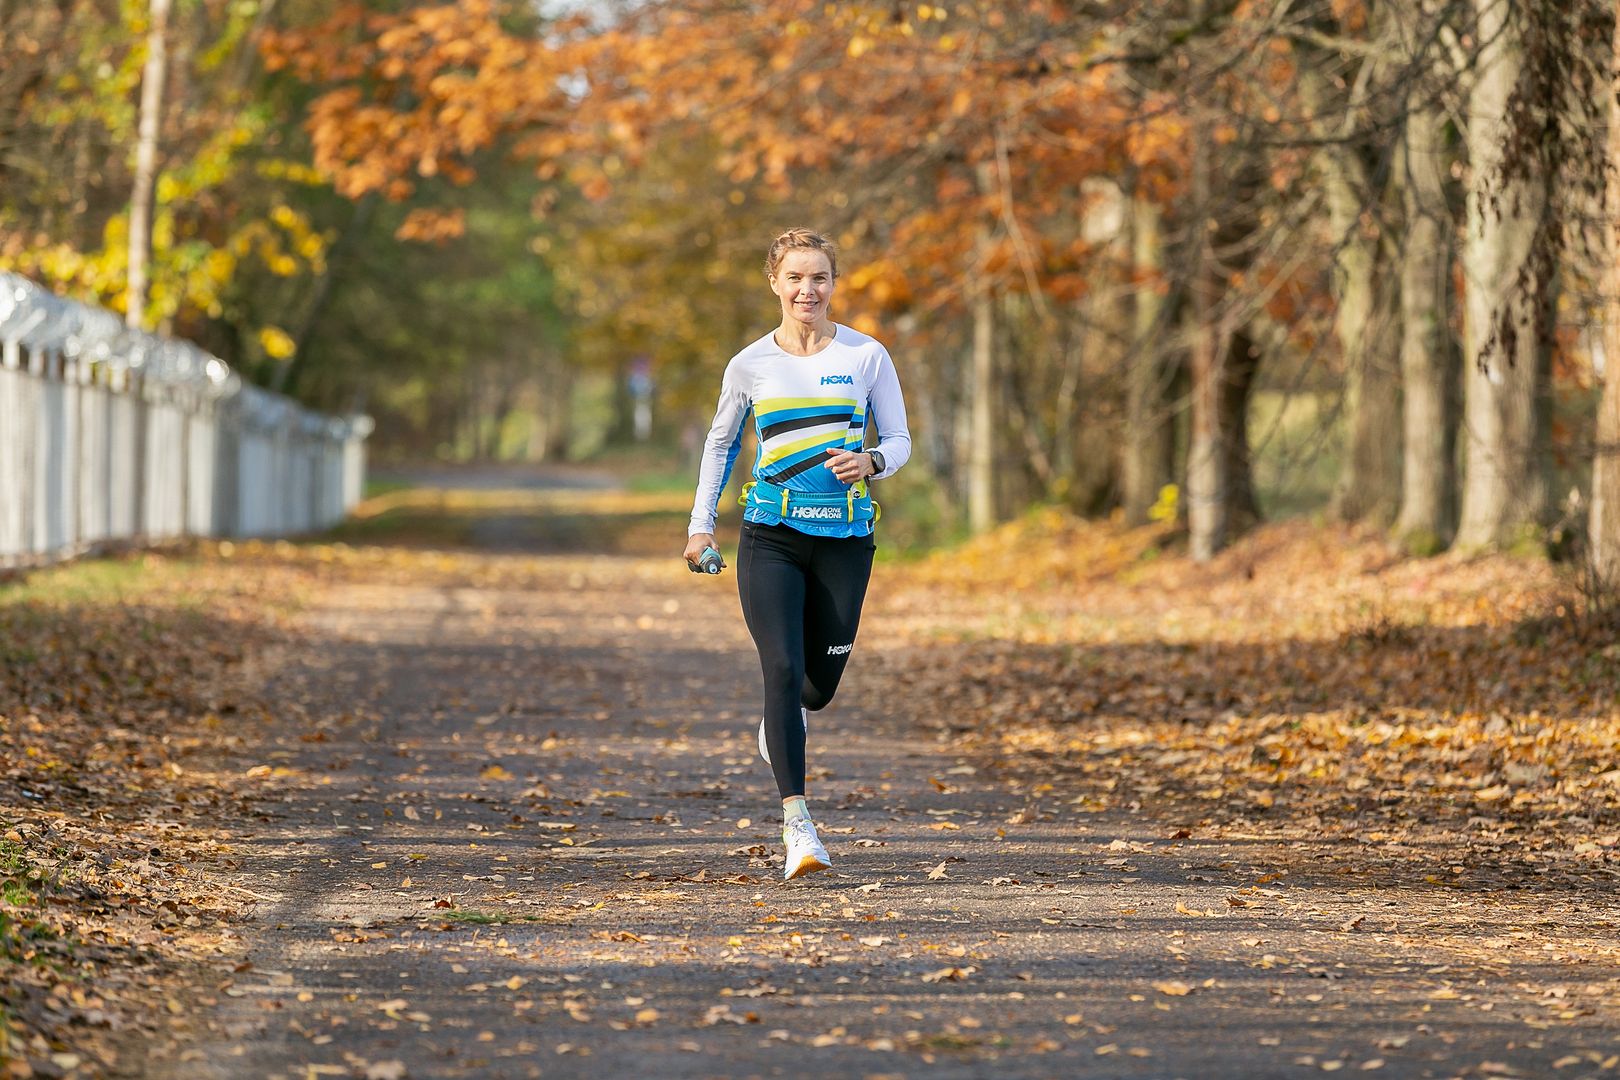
(1504, 496)
(1428, 356)
(1222, 357)
(981, 410)
(1208, 526)
(984, 381)
(1149, 436)
(1604, 526)
(1237, 388)
(1605, 521)
(1369, 477)
(141, 201)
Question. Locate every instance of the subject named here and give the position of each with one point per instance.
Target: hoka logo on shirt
(838, 380)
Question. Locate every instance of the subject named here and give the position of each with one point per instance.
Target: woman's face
(804, 283)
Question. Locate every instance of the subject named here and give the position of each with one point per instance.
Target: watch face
(877, 461)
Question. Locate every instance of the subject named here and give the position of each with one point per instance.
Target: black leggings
(801, 598)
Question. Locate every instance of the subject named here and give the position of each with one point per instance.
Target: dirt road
(515, 826)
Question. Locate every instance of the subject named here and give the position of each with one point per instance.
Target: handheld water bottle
(708, 563)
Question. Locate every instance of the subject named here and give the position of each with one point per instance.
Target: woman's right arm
(720, 451)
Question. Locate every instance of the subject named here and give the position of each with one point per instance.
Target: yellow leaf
(276, 342)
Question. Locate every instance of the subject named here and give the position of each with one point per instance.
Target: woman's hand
(695, 545)
(850, 466)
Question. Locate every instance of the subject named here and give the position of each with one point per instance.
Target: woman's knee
(781, 672)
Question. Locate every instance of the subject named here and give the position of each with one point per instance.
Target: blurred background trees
(1214, 260)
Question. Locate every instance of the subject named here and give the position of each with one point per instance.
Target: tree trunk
(142, 195)
(1208, 523)
(983, 383)
(1428, 355)
(1505, 493)
(1369, 477)
(982, 455)
(1605, 522)
(1237, 387)
(1604, 528)
(1149, 437)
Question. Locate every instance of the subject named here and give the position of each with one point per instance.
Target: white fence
(109, 434)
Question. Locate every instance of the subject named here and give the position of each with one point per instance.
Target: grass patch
(18, 880)
(112, 580)
(484, 918)
(386, 485)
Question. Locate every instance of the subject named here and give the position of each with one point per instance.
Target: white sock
(795, 808)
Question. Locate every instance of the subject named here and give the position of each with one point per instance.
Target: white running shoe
(805, 855)
(766, 754)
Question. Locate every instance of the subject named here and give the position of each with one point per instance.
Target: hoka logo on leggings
(839, 650)
(838, 380)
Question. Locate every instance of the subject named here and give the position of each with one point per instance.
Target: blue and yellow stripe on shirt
(787, 451)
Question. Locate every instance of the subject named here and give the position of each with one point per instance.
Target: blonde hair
(799, 240)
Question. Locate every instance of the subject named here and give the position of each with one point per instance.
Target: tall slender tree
(1604, 526)
(143, 193)
(1429, 360)
(1507, 294)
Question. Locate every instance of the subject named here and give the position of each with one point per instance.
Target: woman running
(805, 555)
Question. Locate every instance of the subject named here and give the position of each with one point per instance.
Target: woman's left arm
(888, 412)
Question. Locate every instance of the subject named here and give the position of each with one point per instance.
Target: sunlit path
(518, 829)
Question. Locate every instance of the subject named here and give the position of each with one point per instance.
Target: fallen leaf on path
(951, 974)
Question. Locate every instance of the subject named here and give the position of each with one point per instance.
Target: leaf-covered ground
(1307, 680)
(483, 802)
(120, 682)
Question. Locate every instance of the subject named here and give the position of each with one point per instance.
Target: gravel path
(521, 831)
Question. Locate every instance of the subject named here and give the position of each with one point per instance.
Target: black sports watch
(877, 462)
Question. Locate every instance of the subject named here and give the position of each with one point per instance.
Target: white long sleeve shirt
(802, 407)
